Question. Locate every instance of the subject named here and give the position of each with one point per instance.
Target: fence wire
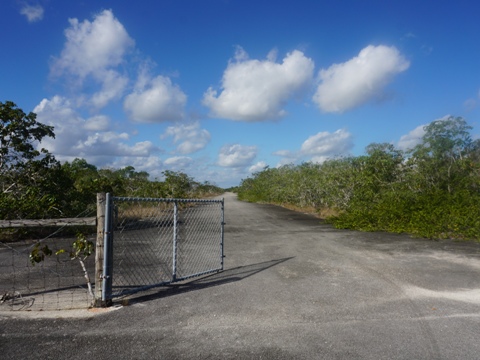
(56, 283)
(160, 241)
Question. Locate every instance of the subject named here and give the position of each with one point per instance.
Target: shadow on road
(221, 278)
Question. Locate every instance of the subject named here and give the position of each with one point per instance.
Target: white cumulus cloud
(325, 145)
(319, 147)
(328, 144)
(415, 137)
(97, 123)
(95, 50)
(155, 100)
(113, 85)
(259, 166)
(257, 90)
(412, 139)
(188, 137)
(178, 163)
(32, 12)
(236, 155)
(93, 46)
(350, 84)
(85, 138)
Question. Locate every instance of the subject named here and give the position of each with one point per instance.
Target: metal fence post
(99, 249)
(108, 253)
(222, 234)
(175, 232)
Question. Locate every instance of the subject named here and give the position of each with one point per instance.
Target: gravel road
(293, 288)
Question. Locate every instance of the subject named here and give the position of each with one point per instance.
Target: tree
(384, 162)
(31, 180)
(135, 181)
(84, 178)
(443, 160)
(177, 184)
(18, 134)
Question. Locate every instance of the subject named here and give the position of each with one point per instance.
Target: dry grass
(320, 213)
(149, 209)
(144, 210)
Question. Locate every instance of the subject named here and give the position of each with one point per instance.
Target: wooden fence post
(101, 198)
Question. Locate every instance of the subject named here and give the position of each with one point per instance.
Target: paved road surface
(293, 288)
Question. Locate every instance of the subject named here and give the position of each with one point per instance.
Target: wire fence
(136, 244)
(55, 282)
(161, 241)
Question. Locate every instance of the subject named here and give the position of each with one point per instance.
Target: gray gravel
(293, 288)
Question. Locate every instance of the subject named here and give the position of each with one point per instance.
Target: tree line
(35, 185)
(431, 190)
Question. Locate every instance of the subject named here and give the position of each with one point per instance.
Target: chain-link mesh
(55, 283)
(159, 241)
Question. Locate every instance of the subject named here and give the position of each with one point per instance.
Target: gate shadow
(221, 278)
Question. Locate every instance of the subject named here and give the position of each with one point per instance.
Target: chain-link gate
(153, 242)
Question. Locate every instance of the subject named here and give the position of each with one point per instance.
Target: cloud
(188, 137)
(284, 153)
(287, 157)
(412, 139)
(155, 100)
(350, 84)
(259, 166)
(97, 123)
(415, 137)
(93, 54)
(113, 85)
(94, 50)
(319, 147)
(33, 13)
(254, 90)
(178, 163)
(326, 144)
(110, 144)
(92, 47)
(224, 177)
(90, 139)
(236, 155)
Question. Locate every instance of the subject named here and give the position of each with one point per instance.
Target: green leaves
(177, 184)
(39, 253)
(432, 191)
(18, 134)
(443, 159)
(28, 177)
(82, 248)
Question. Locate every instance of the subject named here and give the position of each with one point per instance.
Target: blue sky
(219, 89)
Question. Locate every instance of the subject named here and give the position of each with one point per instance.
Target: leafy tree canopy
(19, 133)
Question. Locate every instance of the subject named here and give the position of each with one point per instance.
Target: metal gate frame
(108, 243)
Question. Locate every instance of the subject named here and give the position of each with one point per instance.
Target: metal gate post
(108, 253)
(222, 231)
(175, 232)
